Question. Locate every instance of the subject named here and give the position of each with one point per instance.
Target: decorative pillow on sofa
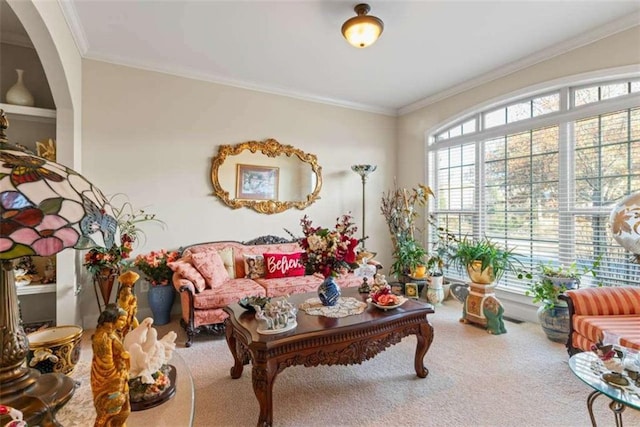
(283, 265)
(226, 254)
(184, 267)
(229, 263)
(253, 266)
(210, 265)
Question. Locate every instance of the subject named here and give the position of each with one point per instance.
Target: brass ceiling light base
(362, 30)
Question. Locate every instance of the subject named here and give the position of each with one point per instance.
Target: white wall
(152, 136)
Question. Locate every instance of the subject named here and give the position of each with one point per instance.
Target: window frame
(564, 119)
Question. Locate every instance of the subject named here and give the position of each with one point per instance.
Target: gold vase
(477, 275)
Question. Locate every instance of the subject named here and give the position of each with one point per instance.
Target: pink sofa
(210, 276)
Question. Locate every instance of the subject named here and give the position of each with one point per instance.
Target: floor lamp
(363, 171)
(45, 208)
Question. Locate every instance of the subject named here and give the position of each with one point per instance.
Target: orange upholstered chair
(595, 310)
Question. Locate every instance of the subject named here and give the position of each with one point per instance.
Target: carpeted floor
(475, 379)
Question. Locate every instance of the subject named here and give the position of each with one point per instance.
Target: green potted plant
(400, 208)
(552, 281)
(409, 254)
(484, 259)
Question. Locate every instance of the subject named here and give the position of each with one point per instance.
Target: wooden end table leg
(425, 338)
(263, 376)
(236, 370)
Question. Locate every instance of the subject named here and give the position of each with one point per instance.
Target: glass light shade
(363, 170)
(362, 30)
(47, 207)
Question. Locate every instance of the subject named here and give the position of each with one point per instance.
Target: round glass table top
(589, 368)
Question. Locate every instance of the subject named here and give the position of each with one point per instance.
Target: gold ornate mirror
(265, 176)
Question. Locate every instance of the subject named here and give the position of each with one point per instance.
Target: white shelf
(20, 112)
(36, 288)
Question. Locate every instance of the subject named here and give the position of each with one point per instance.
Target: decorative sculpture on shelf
(110, 369)
(127, 300)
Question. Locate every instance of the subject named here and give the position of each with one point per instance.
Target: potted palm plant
(484, 260)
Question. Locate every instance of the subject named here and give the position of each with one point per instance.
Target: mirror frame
(271, 148)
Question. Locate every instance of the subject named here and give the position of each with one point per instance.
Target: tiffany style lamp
(45, 208)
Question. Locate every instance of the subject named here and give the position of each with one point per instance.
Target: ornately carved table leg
(425, 338)
(236, 370)
(263, 376)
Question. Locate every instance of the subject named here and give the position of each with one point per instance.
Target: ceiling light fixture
(362, 30)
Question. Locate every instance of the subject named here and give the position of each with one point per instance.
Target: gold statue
(110, 369)
(127, 300)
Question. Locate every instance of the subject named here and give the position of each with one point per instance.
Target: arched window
(541, 175)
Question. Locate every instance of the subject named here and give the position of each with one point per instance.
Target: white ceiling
(295, 48)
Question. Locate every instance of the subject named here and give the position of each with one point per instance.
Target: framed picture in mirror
(257, 182)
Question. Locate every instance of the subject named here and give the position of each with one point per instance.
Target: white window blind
(544, 185)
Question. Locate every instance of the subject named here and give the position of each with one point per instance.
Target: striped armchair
(594, 310)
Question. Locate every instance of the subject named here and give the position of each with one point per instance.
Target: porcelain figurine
(148, 353)
(276, 314)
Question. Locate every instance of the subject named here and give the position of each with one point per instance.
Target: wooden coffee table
(319, 340)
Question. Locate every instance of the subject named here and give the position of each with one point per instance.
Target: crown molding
(75, 25)
(599, 33)
(272, 90)
(16, 39)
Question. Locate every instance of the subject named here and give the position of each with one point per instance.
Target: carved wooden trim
(271, 148)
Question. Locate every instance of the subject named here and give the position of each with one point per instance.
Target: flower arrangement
(99, 258)
(154, 266)
(329, 251)
(128, 220)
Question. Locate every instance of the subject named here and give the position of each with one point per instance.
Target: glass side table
(589, 368)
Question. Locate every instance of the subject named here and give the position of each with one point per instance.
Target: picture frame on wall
(255, 182)
(411, 290)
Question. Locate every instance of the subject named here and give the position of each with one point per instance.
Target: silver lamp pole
(363, 171)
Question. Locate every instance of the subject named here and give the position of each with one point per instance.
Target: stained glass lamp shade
(45, 208)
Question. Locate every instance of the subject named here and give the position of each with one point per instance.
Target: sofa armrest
(183, 285)
(605, 301)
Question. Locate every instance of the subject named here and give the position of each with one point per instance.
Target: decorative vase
(555, 321)
(435, 291)
(329, 291)
(103, 280)
(160, 302)
(18, 94)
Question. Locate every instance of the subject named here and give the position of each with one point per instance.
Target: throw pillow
(184, 268)
(229, 263)
(210, 265)
(253, 266)
(283, 265)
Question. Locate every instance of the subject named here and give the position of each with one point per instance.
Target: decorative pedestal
(482, 307)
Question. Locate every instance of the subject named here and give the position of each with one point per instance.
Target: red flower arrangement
(329, 251)
(98, 258)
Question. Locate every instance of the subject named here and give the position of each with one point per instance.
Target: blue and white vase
(160, 302)
(329, 291)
